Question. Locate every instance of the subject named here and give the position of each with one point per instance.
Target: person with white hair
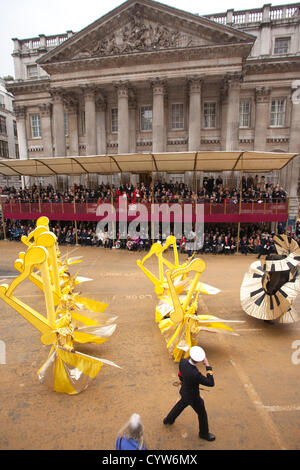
(131, 435)
(190, 379)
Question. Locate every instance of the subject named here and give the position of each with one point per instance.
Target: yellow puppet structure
(69, 318)
(177, 310)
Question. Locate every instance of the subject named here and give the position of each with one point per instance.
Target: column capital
(233, 81)
(89, 91)
(45, 109)
(101, 105)
(262, 94)
(20, 111)
(158, 86)
(122, 88)
(132, 103)
(295, 97)
(57, 96)
(195, 83)
(71, 102)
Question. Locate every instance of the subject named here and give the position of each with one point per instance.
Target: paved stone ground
(255, 403)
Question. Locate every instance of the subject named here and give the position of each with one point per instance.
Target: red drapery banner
(212, 212)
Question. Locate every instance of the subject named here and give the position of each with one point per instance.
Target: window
(3, 129)
(114, 120)
(146, 118)
(281, 46)
(245, 113)
(277, 112)
(15, 129)
(66, 124)
(209, 115)
(2, 104)
(35, 126)
(4, 149)
(177, 117)
(17, 151)
(32, 71)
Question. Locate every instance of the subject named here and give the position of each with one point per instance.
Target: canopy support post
(240, 204)
(3, 221)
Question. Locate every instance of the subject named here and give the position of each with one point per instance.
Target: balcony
(228, 212)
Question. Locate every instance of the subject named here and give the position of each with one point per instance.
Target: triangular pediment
(143, 26)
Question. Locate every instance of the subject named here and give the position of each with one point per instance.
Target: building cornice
(28, 86)
(272, 65)
(162, 56)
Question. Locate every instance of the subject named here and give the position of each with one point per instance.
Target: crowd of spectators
(213, 190)
(217, 239)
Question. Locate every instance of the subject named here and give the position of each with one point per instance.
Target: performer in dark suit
(190, 379)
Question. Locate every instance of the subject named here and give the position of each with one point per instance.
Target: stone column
(123, 118)
(90, 121)
(262, 118)
(101, 127)
(223, 105)
(20, 112)
(58, 125)
(294, 147)
(233, 114)
(195, 113)
(72, 110)
(158, 127)
(132, 125)
(46, 128)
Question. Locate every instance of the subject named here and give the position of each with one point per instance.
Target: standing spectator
(131, 435)
(210, 184)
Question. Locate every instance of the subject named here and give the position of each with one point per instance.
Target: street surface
(255, 403)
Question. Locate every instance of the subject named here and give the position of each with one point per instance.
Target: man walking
(190, 379)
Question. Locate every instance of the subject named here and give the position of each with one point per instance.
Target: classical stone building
(149, 77)
(8, 134)
(9, 147)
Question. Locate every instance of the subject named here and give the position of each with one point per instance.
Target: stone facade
(148, 77)
(9, 147)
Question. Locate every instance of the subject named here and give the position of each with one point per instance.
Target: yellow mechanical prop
(69, 318)
(160, 283)
(176, 313)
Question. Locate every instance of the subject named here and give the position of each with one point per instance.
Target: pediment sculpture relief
(137, 36)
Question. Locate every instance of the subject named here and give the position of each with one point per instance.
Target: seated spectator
(244, 245)
(250, 245)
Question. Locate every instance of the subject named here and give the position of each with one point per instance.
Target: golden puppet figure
(182, 324)
(69, 318)
(177, 310)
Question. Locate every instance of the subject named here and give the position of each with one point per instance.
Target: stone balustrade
(256, 15)
(41, 42)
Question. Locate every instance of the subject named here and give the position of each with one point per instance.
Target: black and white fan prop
(270, 286)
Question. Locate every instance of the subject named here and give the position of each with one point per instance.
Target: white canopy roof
(147, 162)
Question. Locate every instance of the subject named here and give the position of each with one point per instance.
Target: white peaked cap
(197, 353)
